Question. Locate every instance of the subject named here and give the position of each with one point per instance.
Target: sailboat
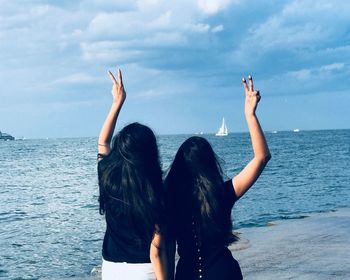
(223, 129)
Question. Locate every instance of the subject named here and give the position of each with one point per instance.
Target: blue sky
(182, 62)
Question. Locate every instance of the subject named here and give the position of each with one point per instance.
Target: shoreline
(315, 247)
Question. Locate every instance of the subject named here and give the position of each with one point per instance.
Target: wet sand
(316, 247)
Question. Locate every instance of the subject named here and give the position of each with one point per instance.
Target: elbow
(264, 159)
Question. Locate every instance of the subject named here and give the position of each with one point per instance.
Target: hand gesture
(118, 90)
(252, 97)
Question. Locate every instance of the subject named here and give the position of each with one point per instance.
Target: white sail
(223, 129)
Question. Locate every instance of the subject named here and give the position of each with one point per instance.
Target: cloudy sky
(182, 62)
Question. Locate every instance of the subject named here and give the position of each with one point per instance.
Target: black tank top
(121, 241)
(200, 256)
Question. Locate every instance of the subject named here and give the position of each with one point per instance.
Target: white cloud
(163, 21)
(332, 67)
(317, 73)
(300, 24)
(276, 33)
(211, 7)
(115, 24)
(154, 26)
(299, 30)
(147, 4)
(199, 27)
(152, 93)
(291, 44)
(302, 74)
(77, 78)
(217, 28)
(108, 5)
(108, 51)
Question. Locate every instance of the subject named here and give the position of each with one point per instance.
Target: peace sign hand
(118, 91)
(252, 97)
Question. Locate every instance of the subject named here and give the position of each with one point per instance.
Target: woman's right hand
(118, 91)
(252, 97)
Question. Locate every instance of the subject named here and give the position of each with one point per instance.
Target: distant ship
(5, 136)
(223, 129)
(296, 130)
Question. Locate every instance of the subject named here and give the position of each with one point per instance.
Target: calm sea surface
(49, 222)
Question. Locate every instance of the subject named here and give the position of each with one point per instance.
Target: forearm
(109, 125)
(260, 148)
(158, 255)
(251, 172)
(159, 262)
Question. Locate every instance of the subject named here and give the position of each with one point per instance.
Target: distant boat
(223, 129)
(296, 130)
(6, 136)
(275, 131)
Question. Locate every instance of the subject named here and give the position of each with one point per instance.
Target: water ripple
(50, 225)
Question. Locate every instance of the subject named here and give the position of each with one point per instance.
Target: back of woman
(199, 207)
(130, 183)
(131, 197)
(199, 202)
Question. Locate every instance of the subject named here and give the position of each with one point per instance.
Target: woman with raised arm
(199, 202)
(131, 197)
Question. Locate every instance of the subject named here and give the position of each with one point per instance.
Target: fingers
(112, 78)
(120, 78)
(258, 97)
(251, 87)
(256, 93)
(245, 85)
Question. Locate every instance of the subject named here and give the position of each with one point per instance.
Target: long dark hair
(195, 187)
(130, 180)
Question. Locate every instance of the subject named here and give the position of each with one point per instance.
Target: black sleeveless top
(121, 241)
(206, 260)
(120, 245)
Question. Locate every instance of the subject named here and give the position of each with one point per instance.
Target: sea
(50, 226)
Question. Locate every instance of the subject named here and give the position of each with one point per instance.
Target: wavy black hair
(130, 180)
(195, 187)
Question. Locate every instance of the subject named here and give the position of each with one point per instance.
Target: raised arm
(108, 127)
(251, 172)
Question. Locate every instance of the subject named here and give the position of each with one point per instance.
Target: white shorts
(129, 271)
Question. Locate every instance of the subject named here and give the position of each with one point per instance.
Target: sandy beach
(316, 247)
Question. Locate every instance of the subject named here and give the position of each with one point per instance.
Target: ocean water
(50, 227)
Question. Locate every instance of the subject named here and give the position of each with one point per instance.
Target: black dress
(203, 261)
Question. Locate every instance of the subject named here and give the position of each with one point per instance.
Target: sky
(182, 63)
